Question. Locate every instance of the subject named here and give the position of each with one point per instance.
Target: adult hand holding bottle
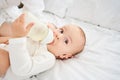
(18, 27)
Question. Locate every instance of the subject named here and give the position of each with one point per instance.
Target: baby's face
(67, 41)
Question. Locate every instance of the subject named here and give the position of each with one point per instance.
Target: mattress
(100, 59)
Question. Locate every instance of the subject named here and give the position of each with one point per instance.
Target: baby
(27, 57)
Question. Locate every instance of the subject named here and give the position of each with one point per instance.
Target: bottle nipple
(49, 37)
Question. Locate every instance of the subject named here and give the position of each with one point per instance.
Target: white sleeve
(23, 64)
(8, 3)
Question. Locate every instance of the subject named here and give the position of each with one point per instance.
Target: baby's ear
(65, 56)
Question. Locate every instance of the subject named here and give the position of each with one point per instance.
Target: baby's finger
(51, 26)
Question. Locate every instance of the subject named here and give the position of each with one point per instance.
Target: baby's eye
(66, 41)
(61, 31)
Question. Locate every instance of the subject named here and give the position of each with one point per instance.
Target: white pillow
(57, 7)
(103, 12)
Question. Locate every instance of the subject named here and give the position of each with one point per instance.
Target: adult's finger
(20, 18)
(29, 26)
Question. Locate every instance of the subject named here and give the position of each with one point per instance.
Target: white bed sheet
(100, 60)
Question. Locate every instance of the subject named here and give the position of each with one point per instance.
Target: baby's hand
(18, 27)
(51, 26)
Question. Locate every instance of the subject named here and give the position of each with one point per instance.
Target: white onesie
(29, 58)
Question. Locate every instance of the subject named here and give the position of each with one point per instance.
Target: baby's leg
(4, 61)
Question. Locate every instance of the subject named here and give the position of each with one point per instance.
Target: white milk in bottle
(39, 31)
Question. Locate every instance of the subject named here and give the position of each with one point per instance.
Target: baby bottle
(39, 31)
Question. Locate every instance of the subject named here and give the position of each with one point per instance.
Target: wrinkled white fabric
(28, 58)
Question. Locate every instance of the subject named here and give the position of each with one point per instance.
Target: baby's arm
(4, 62)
